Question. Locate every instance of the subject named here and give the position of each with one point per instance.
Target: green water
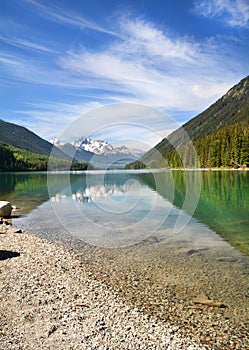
(223, 204)
(217, 199)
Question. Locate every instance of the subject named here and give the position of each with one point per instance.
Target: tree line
(226, 148)
(16, 159)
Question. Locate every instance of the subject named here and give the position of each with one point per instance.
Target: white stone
(5, 208)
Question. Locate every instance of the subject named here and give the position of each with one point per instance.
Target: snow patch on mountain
(104, 147)
(55, 141)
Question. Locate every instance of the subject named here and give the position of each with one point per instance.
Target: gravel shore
(50, 299)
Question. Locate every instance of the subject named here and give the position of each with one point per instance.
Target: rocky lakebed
(149, 296)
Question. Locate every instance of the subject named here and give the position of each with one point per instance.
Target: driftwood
(82, 305)
(208, 302)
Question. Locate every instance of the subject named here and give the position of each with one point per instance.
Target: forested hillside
(219, 134)
(16, 159)
(228, 148)
(20, 137)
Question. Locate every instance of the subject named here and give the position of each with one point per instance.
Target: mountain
(220, 136)
(23, 150)
(102, 154)
(77, 153)
(18, 159)
(105, 148)
(20, 137)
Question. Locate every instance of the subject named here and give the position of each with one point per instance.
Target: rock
(7, 222)
(52, 330)
(5, 208)
(192, 251)
(8, 254)
(14, 230)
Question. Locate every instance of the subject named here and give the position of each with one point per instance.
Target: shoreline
(123, 169)
(50, 299)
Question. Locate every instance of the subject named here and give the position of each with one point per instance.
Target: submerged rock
(5, 208)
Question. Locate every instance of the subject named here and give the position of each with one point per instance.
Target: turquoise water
(223, 203)
(113, 209)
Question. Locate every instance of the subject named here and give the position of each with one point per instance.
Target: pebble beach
(51, 298)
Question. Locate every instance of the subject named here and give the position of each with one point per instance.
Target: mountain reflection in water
(222, 206)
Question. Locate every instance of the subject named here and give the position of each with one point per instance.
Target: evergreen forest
(226, 148)
(17, 159)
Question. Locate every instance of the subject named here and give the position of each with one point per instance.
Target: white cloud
(234, 12)
(9, 60)
(146, 39)
(122, 123)
(148, 66)
(27, 44)
(61, 16)
(142, 65)
(49, 119)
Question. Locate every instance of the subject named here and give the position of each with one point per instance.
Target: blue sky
(62, 59)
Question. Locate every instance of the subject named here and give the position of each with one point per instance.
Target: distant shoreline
(208, 169)
(126, 170)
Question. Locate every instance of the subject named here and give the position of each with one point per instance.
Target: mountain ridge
(102, 154)
(230, 109)
(23, 138)
(97, 147)
(23, 150)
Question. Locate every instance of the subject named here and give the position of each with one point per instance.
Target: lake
(122, 208)
(156, 239)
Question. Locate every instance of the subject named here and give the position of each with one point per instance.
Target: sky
(133, 69)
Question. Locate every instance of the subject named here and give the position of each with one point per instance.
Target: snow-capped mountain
(55, 141)
(94, 146)
(104, 148)
(101, 154)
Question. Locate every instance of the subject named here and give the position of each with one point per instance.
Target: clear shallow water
(118, 209)
(162, 229)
